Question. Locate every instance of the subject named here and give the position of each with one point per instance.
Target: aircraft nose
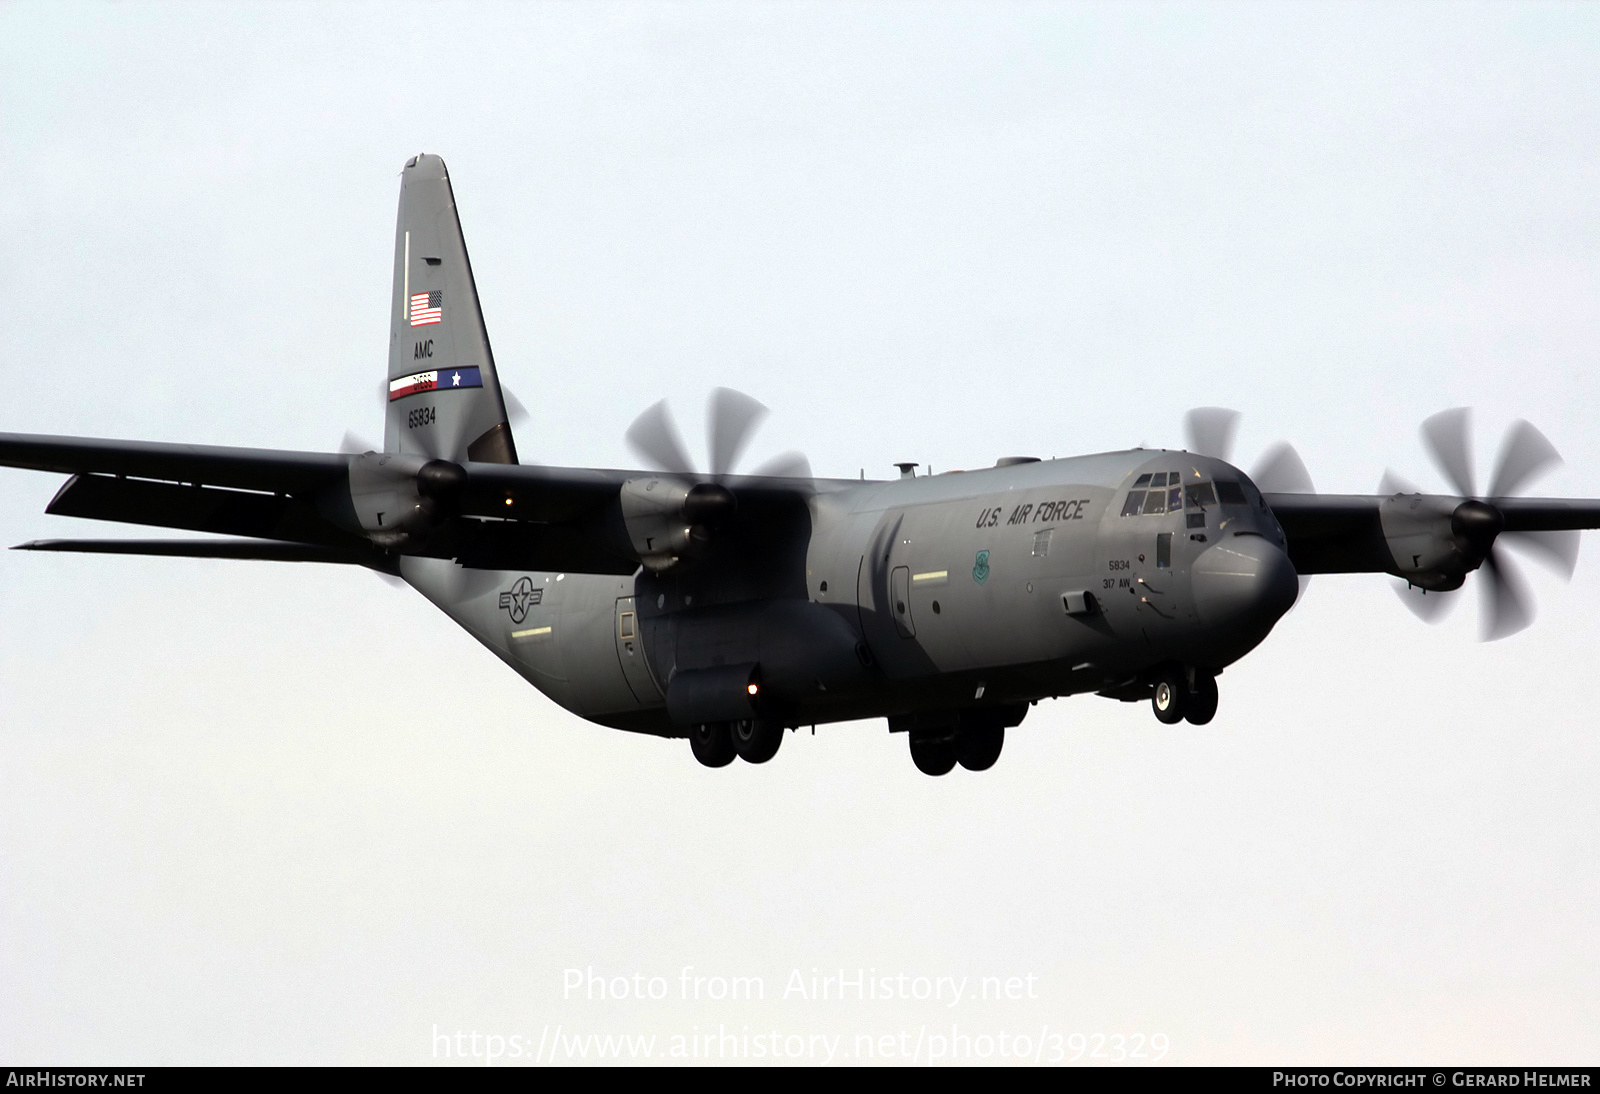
(1245, 582)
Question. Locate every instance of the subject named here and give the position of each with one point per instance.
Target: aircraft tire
(1203, 700)
(756, 740)
(1170, 697)
(712, 744)
(933, 756)
(978, 747)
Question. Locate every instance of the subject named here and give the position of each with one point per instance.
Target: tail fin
(444, 396)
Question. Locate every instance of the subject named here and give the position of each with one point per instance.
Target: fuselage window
(1134, 505)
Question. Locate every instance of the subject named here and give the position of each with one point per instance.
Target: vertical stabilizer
(444, 396)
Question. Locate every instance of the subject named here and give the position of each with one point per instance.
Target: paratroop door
(630, 652)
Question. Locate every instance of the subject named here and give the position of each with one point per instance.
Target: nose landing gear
(1180, 695)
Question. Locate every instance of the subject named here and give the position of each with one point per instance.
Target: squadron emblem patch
(980, 568)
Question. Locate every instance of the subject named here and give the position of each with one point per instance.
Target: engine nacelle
(668, 520)
(399, 500)
(1436, 541)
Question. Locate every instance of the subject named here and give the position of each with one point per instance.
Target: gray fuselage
(999, 586)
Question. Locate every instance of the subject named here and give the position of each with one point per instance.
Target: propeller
(353, 444)
(731, 420)
(1279, 470)
(1525, 453)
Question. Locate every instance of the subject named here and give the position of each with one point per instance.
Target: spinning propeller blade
(1524, 454)
(1211, 430)
(1281, 471)
(1448, 439)
(654, 438)
(731, 420)
(1508, 605)
(1426, 606)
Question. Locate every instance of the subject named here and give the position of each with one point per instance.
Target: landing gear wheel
(756, 740)
(933, 755)
(712, 744)
(1202, 700)
(1170, 698)
(978, 747)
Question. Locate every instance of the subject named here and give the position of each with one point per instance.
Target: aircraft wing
(1343, 533)
(213, 465)
(563, 518)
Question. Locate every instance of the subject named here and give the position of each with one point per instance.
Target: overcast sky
(258, 812)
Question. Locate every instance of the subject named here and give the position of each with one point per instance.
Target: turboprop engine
(400, 502)
(1436, 541)
(668, 520)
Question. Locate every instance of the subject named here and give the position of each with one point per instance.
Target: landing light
(752, 689)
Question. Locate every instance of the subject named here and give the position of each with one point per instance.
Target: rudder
(444, 395)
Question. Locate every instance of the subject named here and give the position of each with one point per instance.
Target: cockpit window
(1231, 493)
(1166, 495)
(1200, 495)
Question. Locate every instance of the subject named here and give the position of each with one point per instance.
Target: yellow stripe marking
(534, 633)
(931, 575)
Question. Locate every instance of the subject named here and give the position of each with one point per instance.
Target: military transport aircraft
(728, 607)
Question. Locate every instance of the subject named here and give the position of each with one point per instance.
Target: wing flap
(197, 509)
(263, 550)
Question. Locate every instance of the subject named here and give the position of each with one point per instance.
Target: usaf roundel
(521, 597)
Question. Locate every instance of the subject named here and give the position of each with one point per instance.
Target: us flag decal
(426, 308)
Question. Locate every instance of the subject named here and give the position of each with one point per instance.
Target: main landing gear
(975, 748)
(753, 740)
(1180, 694)
(972, 738)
